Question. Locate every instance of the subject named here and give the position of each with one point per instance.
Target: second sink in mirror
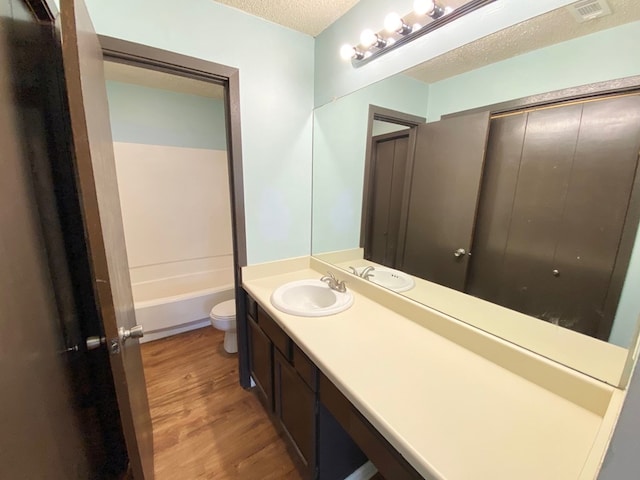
(385, 277)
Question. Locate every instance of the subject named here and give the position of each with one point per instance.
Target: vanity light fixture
(427, 15)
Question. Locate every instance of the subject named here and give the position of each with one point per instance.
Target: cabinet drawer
(381, 453)
(305, 368)
(280, 339)
(251, 306)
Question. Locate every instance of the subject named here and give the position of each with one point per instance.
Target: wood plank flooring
(206, 426)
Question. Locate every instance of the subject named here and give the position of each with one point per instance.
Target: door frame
(143, 56)
(390, 116)
(591, 91)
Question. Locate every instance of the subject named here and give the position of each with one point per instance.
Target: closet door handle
(459, 252)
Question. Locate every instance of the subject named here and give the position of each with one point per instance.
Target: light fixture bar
(402, 37)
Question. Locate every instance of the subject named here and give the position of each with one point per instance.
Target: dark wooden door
(92, 143)
(41, 426)
(553, 207)
(389, 173)
(447, 171)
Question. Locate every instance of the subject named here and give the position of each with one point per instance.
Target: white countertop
(452, 413)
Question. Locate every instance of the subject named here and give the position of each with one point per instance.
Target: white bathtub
(174, 305)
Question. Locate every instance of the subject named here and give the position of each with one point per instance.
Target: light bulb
(424, 7)
(347, 52)
(393, 22)
(368, 38)
(448, 10)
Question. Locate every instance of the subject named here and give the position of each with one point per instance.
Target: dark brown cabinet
(260, 362)
(329, 434)
(279, 385)
(295, 407)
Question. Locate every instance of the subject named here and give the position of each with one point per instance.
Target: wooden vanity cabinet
(284, 392)
(330, 436)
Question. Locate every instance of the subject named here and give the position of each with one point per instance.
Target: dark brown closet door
(497, 195)
(390, 161)
(447, 170)
(550, 218)
(544, 170)
(594, 212)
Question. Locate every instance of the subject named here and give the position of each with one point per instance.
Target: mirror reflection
(530, 206)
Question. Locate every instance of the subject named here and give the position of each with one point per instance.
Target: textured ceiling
(120, 72)
(306, 16)
(548, 29)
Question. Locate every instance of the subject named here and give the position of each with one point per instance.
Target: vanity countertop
(451, 412)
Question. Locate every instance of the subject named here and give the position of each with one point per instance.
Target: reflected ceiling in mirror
(490, 71)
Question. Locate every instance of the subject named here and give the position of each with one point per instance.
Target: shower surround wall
(171, 161)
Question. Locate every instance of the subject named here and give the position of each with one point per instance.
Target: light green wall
(276, 101)
(339, 144)
(605, 55)
(334, 77)
(154, 116)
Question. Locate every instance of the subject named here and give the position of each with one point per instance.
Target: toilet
(223, 317)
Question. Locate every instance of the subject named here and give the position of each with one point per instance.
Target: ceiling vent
(586, 10)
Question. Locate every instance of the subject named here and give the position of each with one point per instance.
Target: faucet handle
(329, 277)
(353, 270)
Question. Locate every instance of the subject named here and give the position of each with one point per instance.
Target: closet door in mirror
(389, 172)
(447, 170)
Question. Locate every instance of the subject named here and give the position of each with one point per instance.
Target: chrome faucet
(365, 273)
(334, 283)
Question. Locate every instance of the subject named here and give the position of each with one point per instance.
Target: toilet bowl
(223, 317)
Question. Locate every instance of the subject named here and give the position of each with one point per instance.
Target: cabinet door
(260, 362)
(447, 170)
(295, 406)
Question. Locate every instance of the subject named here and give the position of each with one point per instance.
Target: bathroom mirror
(533, 63)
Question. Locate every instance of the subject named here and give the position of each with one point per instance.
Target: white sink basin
(389, 278)
(310, 298)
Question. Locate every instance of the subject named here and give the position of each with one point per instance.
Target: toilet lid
(224, 310)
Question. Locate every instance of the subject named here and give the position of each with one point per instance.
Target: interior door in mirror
(447, 173)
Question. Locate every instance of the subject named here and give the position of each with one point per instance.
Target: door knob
(135, 332)
(459, 252)
(555, 272)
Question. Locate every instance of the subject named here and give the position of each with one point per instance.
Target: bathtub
(169, 306)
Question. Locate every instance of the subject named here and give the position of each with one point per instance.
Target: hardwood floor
(205, 425)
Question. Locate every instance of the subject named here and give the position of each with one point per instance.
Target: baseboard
(167, 332)
(365, 472)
